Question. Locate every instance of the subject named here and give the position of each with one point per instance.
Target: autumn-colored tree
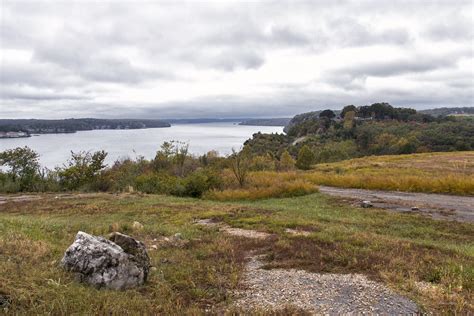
(349, 119)
(286, 161)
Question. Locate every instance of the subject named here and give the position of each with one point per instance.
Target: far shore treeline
(14, 128)
(268, 165)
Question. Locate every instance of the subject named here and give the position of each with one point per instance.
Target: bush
(157, 184)
(193, 185)
(82, 170)
(305, 158)
(201, 181)
(124, 173)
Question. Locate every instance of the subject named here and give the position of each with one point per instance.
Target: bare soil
(238, 232)
(438, 206)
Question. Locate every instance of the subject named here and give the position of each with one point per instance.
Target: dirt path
(18, 198)
(331, 294)
(31, 197)
(316, 293)
(439, 206)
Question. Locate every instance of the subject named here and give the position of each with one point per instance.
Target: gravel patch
(332, 294)
(239, 232)
(297, 232)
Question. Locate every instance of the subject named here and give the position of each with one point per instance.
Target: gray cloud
(63, 58)
(350, 32)
(452, 30)
(413, 64)
(22, 93)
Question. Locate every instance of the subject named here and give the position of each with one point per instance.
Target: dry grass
(265, 185)
(451, 173)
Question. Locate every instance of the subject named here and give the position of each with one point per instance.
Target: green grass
(397, 249)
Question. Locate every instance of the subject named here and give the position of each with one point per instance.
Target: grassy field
(451, 173)
(396, 249)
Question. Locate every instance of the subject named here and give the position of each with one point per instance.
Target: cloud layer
(223, 59)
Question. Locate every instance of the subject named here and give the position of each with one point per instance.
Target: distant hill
(300, 118)
(204, 120)
(377, 129)
(33, 126)
(449, 111)
(283, 121)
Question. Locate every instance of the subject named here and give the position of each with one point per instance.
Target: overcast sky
(156, 59)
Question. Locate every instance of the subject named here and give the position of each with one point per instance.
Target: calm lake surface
(54, 149)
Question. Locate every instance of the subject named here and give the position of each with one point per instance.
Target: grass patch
(396, 249)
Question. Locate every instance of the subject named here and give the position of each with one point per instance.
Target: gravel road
(439, 206)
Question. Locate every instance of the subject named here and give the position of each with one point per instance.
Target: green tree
(327, 114)
(286, 161)
(163, 157)
(82, 169)
(305, 158)
(23, 166)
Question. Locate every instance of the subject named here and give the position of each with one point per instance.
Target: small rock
(366, 204)
(154, 247)
(4, 301)
(119, 263)
(137, 225)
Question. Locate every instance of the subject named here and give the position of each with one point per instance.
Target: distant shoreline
(22, 128)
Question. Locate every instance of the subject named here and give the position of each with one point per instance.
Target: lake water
(54, 149)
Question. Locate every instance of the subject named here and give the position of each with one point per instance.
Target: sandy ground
(439, 206)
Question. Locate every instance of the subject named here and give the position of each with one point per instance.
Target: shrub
(82, 169)
(262, 163)
(286, 162)
(199, 182)
(157, 183)
(240, 165)
(23, 166)
(305, 158)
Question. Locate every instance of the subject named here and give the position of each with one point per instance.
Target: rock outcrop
(119, 263)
